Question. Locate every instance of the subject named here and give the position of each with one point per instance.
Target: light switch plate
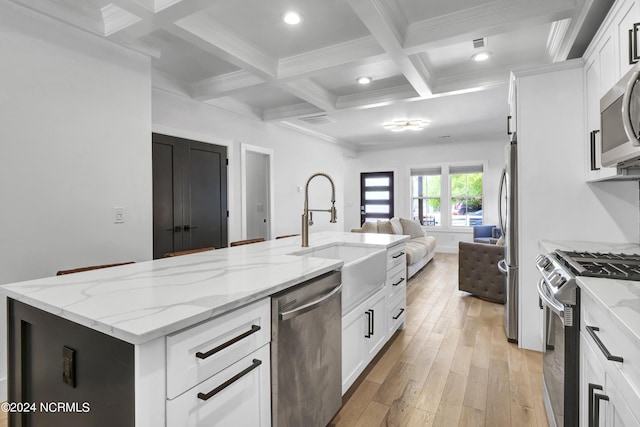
(118, 215)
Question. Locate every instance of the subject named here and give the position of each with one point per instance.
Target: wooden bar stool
(186, 252)
(92, 267)
(247, 242)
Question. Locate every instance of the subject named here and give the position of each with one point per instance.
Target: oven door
(553, 359)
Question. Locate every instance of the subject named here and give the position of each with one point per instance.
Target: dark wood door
(189, 195)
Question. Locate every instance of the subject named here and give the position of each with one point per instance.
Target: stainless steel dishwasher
(306, 353)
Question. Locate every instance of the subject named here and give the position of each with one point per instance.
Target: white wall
(75, 125)
(555, 203)
(296, 157)
(401, 160)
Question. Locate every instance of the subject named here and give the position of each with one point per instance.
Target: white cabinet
(607, 59)
(218, 372)
(363, 335)
(368, 327)
(609, 378)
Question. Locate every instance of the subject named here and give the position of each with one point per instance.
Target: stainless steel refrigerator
(508, 215)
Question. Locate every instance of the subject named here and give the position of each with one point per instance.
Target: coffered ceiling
(240, 55)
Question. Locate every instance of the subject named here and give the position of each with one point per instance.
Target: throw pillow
(397, 227)
(385, 227)
(369, 227)
(500, 241)
(411, 227)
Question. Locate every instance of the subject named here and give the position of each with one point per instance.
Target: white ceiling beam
(563, 34)
(376, 98)
(157, 14)
(224, 85)
(211, 36)
(489, 19)
(308, 63)
(290, 112)
(386, 26)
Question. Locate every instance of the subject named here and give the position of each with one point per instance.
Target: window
(376, 196)
(426, 190)
(466, 195)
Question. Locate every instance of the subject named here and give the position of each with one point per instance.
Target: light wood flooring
(451, 366)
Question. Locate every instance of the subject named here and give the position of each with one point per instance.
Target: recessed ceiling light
(292, 18)
(404, 124)
(364, 80)
(481, 56)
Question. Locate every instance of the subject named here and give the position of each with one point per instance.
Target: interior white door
(257, 194)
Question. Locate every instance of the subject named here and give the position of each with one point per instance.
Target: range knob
(556, 280)
(542, 261)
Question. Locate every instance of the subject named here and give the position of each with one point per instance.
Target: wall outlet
(118, 215)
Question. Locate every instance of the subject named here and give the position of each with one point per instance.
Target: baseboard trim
(3, 389)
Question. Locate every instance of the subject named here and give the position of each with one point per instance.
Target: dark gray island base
(65, 374)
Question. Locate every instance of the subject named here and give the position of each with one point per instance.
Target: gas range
(560, 268)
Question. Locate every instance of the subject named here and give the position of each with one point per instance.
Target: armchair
(486, 234)
(478, 270)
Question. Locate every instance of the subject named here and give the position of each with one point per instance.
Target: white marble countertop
(621, 297)
(146, 300)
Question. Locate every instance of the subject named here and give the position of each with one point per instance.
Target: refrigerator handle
(503, 179)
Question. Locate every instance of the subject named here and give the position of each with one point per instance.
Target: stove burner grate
(596, 264)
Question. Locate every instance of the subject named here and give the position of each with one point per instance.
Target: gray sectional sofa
(420, 247)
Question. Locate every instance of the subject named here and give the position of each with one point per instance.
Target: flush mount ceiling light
(292, 18)
(364, 80)
(403, 124)
(481, 56)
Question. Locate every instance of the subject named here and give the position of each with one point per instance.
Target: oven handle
(557, 308)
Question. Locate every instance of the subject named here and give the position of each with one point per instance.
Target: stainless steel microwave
(620, 122)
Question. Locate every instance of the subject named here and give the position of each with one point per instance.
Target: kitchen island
(144, 311)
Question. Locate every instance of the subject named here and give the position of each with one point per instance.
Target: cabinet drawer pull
(597, 397)
(399, 281)
(592, 331)
(592, 388)
(398, 255)
(399, 314)
(207, 396)
(253, 330)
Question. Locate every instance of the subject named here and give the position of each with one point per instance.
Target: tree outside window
(466, 199)
(426, 188)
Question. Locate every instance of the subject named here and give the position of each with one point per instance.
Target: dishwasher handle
(286, 315)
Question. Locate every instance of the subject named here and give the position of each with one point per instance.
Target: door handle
(286, 315)
(188, 227)
(633, 44)
(509, 125)
(176, 229)
(368, 333)
(592, 141)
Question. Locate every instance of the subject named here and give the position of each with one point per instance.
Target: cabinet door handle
(592, 331)
(399, 281)
(592, 388)
(368, 333)
(176, 229)
(633, 44)
(188, 227)
(509, 126)
(399, 314)
(593, 134)
(373, 323)
(398, 255)
(253, 330)
(597, 397)
(207, 396)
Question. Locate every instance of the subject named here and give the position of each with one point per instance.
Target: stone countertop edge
(620, 297)
(123, 297)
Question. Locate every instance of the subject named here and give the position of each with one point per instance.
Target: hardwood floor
(451, 366)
